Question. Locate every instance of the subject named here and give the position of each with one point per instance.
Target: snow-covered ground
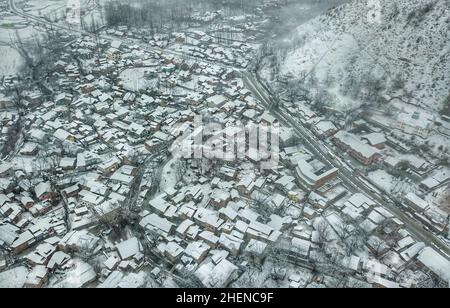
(169, 177)
(10, 27)
(409, 40)
(14, 278)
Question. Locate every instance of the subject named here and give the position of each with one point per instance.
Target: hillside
(360, 51)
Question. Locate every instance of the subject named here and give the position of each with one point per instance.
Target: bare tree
(323, 231)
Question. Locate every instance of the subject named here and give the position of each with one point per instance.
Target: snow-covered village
(224, 144)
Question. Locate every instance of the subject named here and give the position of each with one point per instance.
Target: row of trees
(157, 15)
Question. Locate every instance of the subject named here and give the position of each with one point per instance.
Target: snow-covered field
(407, 40)
(10, 27)
(10, 61)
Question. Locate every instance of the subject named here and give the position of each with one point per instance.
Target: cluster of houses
(369, 144)
(88, 160)
(211, 47)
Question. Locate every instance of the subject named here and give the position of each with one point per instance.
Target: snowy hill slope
(398, 48)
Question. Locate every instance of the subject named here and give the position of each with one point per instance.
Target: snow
(345, 42)
(129, 248)
(134, 79)
(383, 180)
(80, 274)
(216, 276)
(14, 278)
(435, 262)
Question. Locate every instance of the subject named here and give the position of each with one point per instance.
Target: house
(246, 185)
(41, 254)
(183, 227)
(40, 208)
(24, 240)
(6, 102)
(216, 101)
(6, 170)
(129, 249)
(300, 247)
(232, 242)
(79, 275)
(197, 250)
(317, 200)
(78, 240)
(209, 238)
(112, 262)
(34, 97)
(58, 260)
(44, 191)
(37, 277)
(227, 173)
(124, 175)
(435, 262)
(157, 224)
(109, 166)
(377, 140)
(172, 251)
(30, 149)
(217, 275)
(268, 119)
(438, 179)
(67, 163)
(63, 135)
(107, 210)
(256, 250)
(416, 203)
(208, 219)
(309, 175)
(364, 153)
(228, 213)
(324, 129)
(63, 99)
(277, 201)
(8, 235)
(417, 122)
(220, 198)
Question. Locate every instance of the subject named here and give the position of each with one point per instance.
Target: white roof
(216, 276)
(157, 222)
(375, 138)
(324, 126)
(417, 201)
(129, 248)
(435, 262)
(42, 188)
(61, 134)
(256, 247)
(196, 249)
(355, 143)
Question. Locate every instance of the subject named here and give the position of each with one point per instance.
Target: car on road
(425, 228)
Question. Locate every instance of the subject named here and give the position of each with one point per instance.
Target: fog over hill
(365, 49)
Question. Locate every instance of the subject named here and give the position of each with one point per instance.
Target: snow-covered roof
(435, 262)
(375, 138)
(216, 276)
(129, 248)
